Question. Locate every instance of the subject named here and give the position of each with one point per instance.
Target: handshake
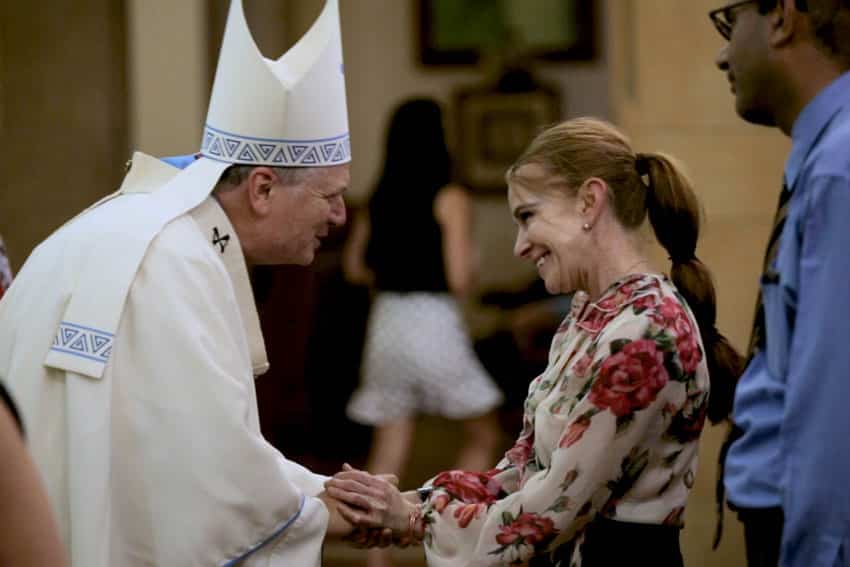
(369, 510)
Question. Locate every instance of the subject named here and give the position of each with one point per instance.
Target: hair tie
(642, 164)
(679, 260)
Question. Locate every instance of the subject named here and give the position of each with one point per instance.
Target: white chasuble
(147, 434)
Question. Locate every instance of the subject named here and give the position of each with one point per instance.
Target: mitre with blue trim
(290, 112)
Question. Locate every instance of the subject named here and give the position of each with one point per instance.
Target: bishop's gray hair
(234, 175)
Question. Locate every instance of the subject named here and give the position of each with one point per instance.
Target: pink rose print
(527, 528)
(582, 365)
(440, 502)
(609, 303)
(596, 319)
(609, 306)
(469, 487)
(468, 512)
(575, 430)
(667, 312)
(520, 453)
(630, 380)
(644, 302)
(671, 315)
(690, 353)
(624, 293)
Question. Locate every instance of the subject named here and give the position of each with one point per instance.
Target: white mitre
(290, 112)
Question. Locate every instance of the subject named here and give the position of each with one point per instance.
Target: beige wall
(668, 95)
(167, 63)
(63, 139)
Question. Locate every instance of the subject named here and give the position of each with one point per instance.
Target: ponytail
(675, 217)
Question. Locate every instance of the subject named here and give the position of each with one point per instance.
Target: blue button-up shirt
(793, 401)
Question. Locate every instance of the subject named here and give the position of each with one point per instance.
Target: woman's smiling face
(549, 227)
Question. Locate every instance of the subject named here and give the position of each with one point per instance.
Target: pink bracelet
(413, 519)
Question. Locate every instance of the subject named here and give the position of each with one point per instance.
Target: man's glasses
(724, 18)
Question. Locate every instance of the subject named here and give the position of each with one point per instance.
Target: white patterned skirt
(418, 358)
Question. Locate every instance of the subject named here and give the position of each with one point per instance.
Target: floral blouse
(611, 427)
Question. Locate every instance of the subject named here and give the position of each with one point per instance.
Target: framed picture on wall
(459, 32)
(493, 128)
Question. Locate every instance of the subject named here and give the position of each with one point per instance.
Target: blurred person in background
(415, 248)
(788, 460)
(601, 473)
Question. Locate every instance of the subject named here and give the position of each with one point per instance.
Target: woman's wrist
(411, 496)
(401, 525)
(415, 526)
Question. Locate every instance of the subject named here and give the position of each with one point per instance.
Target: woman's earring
(586, 226)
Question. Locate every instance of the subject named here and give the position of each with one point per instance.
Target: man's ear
(260, 182)
(784, 20)
(591, 200)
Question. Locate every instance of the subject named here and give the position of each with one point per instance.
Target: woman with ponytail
(602, 469)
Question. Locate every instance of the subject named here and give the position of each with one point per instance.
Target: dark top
(405, 248)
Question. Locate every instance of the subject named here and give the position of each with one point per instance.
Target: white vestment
(147, 435)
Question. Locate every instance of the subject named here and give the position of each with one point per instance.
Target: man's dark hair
(830, 24)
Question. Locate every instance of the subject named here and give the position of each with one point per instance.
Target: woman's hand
(370, 501)
(365, 538)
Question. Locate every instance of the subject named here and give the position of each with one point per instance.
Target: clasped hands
(380, 513)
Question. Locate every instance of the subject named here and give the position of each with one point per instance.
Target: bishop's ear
(260, 182)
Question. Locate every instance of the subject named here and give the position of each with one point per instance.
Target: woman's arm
(453, 211)
(600, 452)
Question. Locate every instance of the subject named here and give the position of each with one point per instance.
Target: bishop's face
(302, 213)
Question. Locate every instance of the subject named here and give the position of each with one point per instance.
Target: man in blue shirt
(787, 472)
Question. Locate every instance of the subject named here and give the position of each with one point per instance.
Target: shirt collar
(222, 237)
(180, 162)
(813, 119)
